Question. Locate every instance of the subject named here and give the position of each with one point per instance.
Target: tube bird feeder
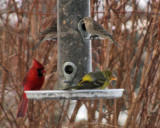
(74, 53)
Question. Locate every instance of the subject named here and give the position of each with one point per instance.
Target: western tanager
(94, 80)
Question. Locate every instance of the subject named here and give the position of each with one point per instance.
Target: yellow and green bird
(94, 80)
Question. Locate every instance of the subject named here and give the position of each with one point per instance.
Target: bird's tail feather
(111, 38)
(22, 109)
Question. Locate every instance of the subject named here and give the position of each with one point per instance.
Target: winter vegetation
(134, 24)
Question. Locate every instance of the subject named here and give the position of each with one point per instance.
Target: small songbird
(48, 34)
(94, 80)
(96, 30)
(33, 81)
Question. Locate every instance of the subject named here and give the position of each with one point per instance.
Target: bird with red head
(32, 81)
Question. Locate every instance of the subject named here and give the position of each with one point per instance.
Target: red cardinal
(33, 81)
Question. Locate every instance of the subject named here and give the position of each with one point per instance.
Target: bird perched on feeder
(33, 81)
(96, 30)
(48, 34)
(94, 80)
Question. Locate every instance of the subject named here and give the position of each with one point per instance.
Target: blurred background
(134, 24)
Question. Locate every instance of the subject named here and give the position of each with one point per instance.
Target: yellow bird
(94, 80)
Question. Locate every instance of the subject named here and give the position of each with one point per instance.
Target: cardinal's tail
(22, 109)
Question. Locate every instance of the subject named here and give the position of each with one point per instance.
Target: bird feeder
(74, 55)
